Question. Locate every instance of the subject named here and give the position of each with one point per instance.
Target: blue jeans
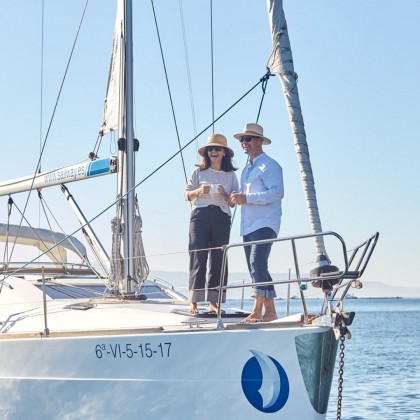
(257, 260)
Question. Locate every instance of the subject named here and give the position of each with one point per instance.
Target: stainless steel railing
(366, 249)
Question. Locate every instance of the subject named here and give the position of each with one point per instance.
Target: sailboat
(105, 341)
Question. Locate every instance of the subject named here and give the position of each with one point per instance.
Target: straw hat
(215, 140)
(254, 130)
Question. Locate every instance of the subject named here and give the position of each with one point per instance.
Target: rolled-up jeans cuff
(267, 294)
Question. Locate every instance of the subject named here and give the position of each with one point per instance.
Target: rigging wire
(49, 224)
(199, 134)
(212, 63)
(36, 234)
(187, 64)
(119, 199)
(6, 246)
(94, 153)
(84, 258)
(41, 97)
(38, 165)
(44, 206)
(169, 90)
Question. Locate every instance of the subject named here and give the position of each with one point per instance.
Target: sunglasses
(217, 148)
(247, 138)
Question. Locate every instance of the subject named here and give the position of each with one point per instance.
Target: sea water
(381, 360)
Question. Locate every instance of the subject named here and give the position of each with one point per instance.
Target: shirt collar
(256, 159)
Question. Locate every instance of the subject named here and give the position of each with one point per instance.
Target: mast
(281, 63)
(126, 146)
(128, 262)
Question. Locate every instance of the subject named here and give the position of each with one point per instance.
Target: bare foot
(213, 308)
(268, 318)
(252, 318)
(193, 308)
(270, 313)
(256, 313)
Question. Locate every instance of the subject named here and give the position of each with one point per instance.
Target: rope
(115, 276)
(141, 268)
(264, 81)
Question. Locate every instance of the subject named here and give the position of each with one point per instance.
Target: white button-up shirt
(262, 182)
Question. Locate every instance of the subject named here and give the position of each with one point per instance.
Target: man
(260, 198)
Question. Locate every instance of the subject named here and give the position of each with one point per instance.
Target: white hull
(117, 357)
(192, 373)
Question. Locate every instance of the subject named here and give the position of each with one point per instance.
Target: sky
(358, 64)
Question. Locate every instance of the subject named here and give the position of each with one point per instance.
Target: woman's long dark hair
(227, 164)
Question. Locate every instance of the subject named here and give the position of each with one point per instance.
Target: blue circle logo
(265, 383)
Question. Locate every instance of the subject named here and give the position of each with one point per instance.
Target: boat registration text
(130, 350)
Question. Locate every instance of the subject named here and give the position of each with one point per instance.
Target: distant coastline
(359, 298)
(385, 297)
(370, 289)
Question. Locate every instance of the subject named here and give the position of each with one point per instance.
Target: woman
(209, 188)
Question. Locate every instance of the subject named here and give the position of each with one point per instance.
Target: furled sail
(112, 100)
(281, 63)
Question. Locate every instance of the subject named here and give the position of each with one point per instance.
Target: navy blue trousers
(209, 228)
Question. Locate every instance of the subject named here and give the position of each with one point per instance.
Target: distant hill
(378, 289)
(370, 288)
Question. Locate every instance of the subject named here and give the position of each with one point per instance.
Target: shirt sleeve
(193, 183)
(235, 183)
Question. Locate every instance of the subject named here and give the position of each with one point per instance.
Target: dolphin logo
(265, 383)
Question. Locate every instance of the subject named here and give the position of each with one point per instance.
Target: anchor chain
(343, 331)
